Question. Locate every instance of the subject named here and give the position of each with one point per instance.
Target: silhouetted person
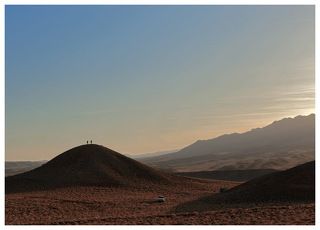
(87, 142)
(91, 142)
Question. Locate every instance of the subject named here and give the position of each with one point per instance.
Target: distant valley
(16, 167)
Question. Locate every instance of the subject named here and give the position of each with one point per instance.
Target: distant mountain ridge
(16, 167)
(280, 145)
(152, 154)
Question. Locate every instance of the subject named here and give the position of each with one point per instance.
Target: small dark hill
(295, 184)
(86, 165)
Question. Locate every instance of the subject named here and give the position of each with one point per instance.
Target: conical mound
(86, 165)
(295, 184)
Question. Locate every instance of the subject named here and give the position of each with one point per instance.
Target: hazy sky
(148, 78)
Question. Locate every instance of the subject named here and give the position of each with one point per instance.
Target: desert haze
(91, 184)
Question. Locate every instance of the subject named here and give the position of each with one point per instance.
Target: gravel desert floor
(116, 206)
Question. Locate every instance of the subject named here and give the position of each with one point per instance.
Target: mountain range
(280, 145)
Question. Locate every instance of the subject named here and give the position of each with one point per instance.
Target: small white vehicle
(161, 199)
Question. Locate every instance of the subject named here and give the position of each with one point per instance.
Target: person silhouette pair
(90, 142)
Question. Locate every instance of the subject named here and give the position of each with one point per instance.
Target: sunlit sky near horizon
(141, 79)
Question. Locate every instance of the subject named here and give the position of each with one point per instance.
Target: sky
(142, 79)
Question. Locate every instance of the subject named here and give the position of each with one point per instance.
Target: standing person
(91, 142)
(87, 142)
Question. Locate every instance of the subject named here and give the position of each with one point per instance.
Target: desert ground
(101, 205)
(91, 184)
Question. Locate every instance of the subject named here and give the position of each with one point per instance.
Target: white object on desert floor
(161, 199)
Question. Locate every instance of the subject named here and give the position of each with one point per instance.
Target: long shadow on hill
(229, 175)
(292, 185)
(92, 165)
